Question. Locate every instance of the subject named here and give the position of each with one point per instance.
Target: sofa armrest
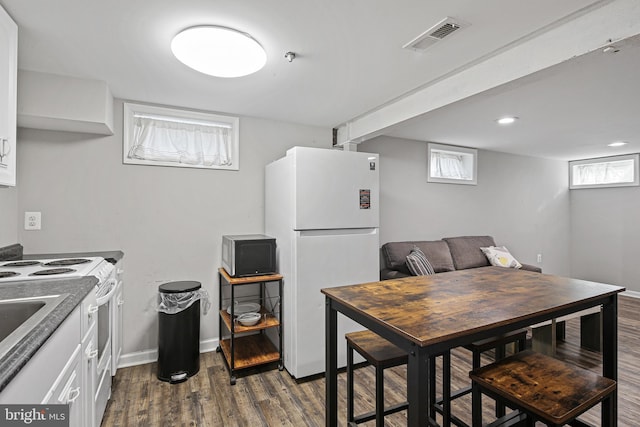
(387, 274)
(529, 267)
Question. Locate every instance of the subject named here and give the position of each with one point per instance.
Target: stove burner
(5, 274)
(21, 264)
(52, 271)
(70, 261)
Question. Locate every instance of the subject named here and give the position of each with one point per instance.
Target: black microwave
(248, 255)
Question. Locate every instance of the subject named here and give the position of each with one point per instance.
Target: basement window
(452, 165)
(163, 136)
(616, 171)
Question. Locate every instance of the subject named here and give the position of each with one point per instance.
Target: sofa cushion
(500, 257)
(437, 252)
(466, 252)
(418, 264)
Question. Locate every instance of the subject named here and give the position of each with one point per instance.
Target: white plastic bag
(172, 303)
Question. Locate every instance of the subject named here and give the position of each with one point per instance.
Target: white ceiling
(569, 111)
(349, 61)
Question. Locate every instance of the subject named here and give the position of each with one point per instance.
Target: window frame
(636, 170)
(131, 108)
(464, 151)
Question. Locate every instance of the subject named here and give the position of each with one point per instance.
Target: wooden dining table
(428, 315)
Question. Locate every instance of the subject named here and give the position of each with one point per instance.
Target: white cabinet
(8, 89)
(64, 369)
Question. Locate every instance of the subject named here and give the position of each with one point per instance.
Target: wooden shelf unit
(254, 347)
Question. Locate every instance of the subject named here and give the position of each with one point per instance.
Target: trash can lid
(182, 286)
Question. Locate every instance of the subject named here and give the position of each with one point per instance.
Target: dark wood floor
(268, 397)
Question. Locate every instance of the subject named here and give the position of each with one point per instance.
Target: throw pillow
(418, 264)
(500, 256)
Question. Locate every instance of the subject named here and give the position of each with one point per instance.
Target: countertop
(77, 288)
(15, 252)
(12, 362)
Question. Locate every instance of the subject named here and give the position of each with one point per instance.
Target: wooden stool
(544, 388)
(381, 354)
(499, 343)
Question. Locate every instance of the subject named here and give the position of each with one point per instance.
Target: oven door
(116, 320)
(105, 300)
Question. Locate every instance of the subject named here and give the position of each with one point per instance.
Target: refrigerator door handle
(338, 232)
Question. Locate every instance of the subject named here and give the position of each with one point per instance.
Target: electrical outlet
(539, 258)
(32, 220)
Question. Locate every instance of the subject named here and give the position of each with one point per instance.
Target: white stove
(106, 322)
(11, 271)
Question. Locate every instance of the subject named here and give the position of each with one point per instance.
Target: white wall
(168, 221)
(605, 228)
(523, 202)
(8, 216)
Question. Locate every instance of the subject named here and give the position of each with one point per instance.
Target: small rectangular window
(170, 137)
(616, 171)
(452, 165)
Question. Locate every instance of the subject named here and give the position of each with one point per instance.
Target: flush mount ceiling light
(218, 51)
(617, 144)
(506, 120)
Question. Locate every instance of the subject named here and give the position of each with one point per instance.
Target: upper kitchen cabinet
(63, 103)
(8, 99)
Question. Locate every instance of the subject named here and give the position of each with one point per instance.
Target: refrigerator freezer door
(335, 189)
(324, 259)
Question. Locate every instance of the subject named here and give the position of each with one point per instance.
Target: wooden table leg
(331, 364)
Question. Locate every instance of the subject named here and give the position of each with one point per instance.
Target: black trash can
(178, 331)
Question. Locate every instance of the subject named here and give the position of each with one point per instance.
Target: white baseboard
(150, 356)
(632, 294)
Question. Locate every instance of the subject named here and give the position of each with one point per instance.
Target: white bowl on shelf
(249, 319)
(243, 307)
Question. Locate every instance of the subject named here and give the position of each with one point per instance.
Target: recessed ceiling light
(506, 120)
(218, 51)
(617, 144)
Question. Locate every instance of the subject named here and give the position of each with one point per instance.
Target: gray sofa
(448, 254)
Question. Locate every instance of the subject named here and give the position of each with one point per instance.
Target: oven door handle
(105, 299)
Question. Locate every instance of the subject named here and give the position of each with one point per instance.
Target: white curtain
(603, 173)
(177, 141)
(445, 165)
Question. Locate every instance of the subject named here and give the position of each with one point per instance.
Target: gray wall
(168, 221)
(523, 202)
(8, 216)
(605, 229)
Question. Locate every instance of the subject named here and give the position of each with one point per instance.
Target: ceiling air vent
(434, 34)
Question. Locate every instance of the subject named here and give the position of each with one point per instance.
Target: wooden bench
(542, 387)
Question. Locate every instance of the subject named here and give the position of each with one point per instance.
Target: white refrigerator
(322, 206)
